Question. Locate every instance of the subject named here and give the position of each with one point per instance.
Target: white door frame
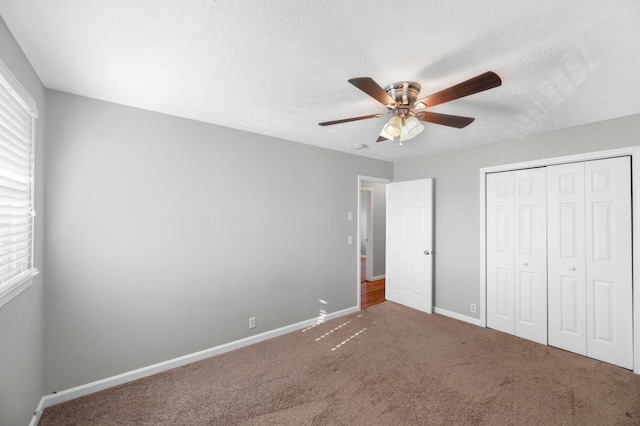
(634, 152)
(362, 178)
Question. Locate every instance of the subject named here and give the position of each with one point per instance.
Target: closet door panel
(500, 252)
(530, 265)
(609, 261)
(566, 257)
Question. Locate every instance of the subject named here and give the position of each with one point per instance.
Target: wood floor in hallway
(371, 292)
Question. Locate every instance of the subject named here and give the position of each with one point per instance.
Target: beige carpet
(387, 365)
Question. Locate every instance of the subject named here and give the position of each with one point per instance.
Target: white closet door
(566, 257)
(500, 252)
(530, 272)
(609, 274)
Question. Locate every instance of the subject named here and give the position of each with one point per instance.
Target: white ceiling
(279, 67)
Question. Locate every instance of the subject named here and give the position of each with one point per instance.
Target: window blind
(17, 126)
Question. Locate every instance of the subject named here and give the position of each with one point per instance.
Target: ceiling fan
(407, 111)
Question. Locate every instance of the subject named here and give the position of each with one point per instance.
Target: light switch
(349, 239)
(350, 216)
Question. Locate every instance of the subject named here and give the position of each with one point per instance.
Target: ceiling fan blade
(382, 139)
(479, 83)
(445, 119)
(346, 120)
(373, 89)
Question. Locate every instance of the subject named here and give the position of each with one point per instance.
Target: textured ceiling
(279, 67)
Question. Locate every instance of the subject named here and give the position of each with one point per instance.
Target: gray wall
(456, 174)
(379, 192)
(165, 235)
(21, 353)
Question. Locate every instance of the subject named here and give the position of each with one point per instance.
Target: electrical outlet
(473, 307)
(252, 322)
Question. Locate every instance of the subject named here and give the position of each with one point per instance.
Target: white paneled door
(566, 257)
(516, 253)
(590, 267)
(500, 252)
(530, 250)
(609, 260)
(559, 260)
(410, 244)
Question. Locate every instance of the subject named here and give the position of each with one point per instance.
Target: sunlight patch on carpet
(331, 331)
(349, 338)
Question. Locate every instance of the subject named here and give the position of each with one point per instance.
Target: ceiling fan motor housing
(404, 93)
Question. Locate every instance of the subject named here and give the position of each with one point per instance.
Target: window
(17, 134)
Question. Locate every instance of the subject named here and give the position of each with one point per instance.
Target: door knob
(427, 252)
(573, 268)
(525, 264)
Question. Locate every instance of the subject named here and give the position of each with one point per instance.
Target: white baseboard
(37, 414)
(109, 382)
(457, 316)
(378, 277)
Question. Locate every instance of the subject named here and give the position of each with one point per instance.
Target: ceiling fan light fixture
(385, 135)
(393, 127)
(412, 128)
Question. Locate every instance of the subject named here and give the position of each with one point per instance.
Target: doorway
(403, 246)
(371, 240)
